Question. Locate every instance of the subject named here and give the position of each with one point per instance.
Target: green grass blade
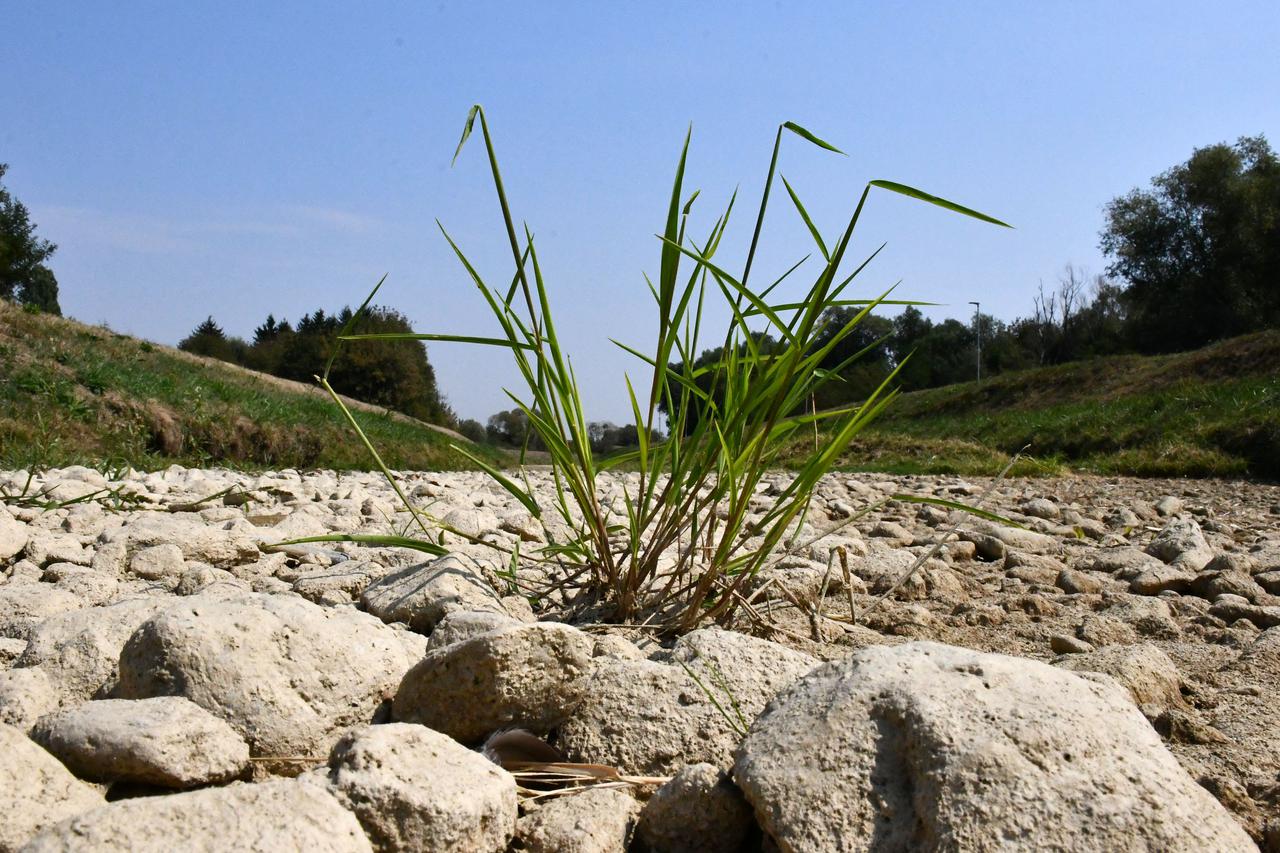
(804, 214)
(723, 276)
(671, 374)
(351, 321)
(800, 131)
(670, 263)
(377, 458)
(466, 132)
(780, 279)
(839, 288)
(642, 429)
(456, 339)
(525, 498)
(688, 205)
(912, 192)
(962, 507)
(376, 540)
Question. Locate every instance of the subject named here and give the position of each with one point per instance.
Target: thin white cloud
(152, 235)
(341, 220)
(263, 229)
(78, 225)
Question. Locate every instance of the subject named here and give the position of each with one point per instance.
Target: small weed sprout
(737, 722)
(727, 421)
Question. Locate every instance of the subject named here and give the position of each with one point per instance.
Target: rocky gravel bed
(1102, 674)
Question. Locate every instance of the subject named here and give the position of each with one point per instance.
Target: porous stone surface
(1182, 544)
(416, 789)
(25, 605)
(10, 649)
(13, 537)
(600, 820)
(158, 563)
(464, 624)
(286, 674)
(25, 695)
(743, 672)
(167, 741)
(699, 810)
(35, 790)
(1152, 679)
(420, 596)
(264, 818)
(926, 746)
(80, 651)
(647, 718)
(530, 676)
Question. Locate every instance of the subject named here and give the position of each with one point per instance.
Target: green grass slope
(1210, 412)
(77, 394)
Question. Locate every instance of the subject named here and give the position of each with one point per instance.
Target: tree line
(1193, 259)
(394, 374)
(25, 278)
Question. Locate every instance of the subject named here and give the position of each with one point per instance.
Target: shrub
(474, 430)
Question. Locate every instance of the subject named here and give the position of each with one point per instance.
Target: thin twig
(848, 578)
(822, 596)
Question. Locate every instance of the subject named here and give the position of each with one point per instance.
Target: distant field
(77, 394)
(1208, 413)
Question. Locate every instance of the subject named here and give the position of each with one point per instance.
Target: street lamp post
(977, 330)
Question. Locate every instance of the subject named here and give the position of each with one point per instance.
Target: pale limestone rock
(13, 537)
(646, 718)
(166, 741)
(158, 563)
(422, 595)
(414, 789)
(529, 676)
(699, 811)
(600, 820)
(925, 746)
(1182, 544)
(35, 790)
(286, 674)
(1152, 679)
(24, 605)
(264, 818)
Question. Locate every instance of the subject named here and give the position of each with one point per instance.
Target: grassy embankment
(1207, 413)
(77, 394)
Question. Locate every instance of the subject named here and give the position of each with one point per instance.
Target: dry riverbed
(1103, 675)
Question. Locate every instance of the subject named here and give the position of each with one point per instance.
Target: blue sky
(236, 159)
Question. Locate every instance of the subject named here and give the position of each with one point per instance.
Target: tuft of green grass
(684, 545)
(77, 394)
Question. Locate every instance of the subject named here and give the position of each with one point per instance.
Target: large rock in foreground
(166, 741)
(931, 747)
(416, 789)
(528, 676)
(646, 717)
(35, 790)
(422, 595)
(264, 818)
(287, 675)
